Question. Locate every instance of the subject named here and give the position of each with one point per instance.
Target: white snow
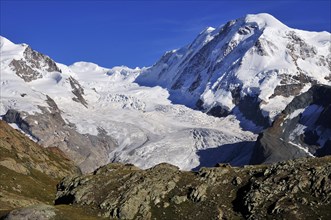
(295, 113)
(301, 148)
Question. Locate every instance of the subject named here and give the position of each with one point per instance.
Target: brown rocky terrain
(298, 189)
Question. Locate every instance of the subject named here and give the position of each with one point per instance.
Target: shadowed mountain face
(302, 129)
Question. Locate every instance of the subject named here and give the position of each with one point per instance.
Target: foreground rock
(299, 189)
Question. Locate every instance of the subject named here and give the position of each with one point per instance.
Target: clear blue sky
(136, 33)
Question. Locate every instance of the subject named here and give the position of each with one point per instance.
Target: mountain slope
(29, 172)
(254, 62)
(298, 189)
(302, 129)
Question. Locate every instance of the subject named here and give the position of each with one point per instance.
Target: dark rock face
(78, 91)
(218, 111)
(87, 151)
(13, 116)
(326, 150)
(25, 71)
(31, 67)
(290, 132)
(289, 190)
(250, 107)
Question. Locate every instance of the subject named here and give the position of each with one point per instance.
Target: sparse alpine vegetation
(298, 189)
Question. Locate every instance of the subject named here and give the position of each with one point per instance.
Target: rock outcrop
(298, 189)
(33, 64)
(302, 129)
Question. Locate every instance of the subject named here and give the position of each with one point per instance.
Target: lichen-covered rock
(286, 188)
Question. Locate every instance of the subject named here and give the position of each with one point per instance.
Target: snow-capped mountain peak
(264, 20)
(251, 59)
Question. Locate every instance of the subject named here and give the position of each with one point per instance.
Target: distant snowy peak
(251, 59)
(27, 63)
(10, 51)
(81, 67)
(87, 72)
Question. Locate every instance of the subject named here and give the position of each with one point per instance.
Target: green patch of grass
(37, 186)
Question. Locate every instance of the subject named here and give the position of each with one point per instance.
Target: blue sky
(137, 33)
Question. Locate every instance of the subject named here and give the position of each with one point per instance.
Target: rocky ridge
(27, 169)
(33, 65)
(298, 189)
(50, 129)
(304, 124)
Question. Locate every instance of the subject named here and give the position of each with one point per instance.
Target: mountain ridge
(220, 76)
